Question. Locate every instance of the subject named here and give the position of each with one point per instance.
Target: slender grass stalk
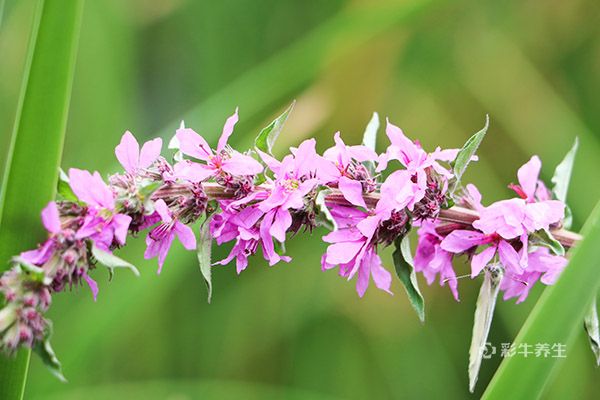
(556, 318)
(36, 146)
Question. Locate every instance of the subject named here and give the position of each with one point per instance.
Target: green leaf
(403, 262)
(111, 261)
(204, 255)
(561, 180)
(148, 188)
(370, 135)
(562, 173)
(34, 272)
(466, 153)
(35, 149)
(63, 188)
(46, 353)
(322, 215)
(545, 238)
(370, 140)
(593, 331)
(268, 135)
(484, 312)
(567, 301)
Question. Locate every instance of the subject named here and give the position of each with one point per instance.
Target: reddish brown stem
(456, 215)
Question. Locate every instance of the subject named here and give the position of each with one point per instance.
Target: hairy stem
(455, 215)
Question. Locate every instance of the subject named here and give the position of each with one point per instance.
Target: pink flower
(101, 223)
(396, 193)
(431, 259)
(542, 266)
(63, 248)
(412, 156)
(527, 214)
(353, 252)
(131, 158)
(460, 241)
(352, 178)
(224, 160)
(500, 223)
(242, 225)
(296, 176)
(51, 221)
(160, 238)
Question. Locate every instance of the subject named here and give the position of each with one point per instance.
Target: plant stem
(457, 215)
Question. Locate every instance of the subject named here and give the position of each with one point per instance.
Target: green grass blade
(34, 155)
(556, 318)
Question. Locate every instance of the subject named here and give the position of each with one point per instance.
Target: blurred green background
(291, 331)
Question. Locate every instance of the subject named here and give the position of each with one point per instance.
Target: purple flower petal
(91, 189)
(381, 276)
(542, 214)
(509, 257)
(92, 284)
(241, 164)
(50, 218)
(186, 236)
(161, 208)
(528, 176)
(159, 248)
(150, 152)
(227, 131)
(462, 240)
(120, 224)
(271, 162)
(398, 139)
(128, 152)
(343, 252)
(479, 261)
(281, 223)
(193, 172)
(192, 144)
(362, 282)
(40, 255)
(352, 191)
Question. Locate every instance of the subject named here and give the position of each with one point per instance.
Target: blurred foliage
(291, 331)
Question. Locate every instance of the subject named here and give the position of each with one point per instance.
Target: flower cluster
(256, 201)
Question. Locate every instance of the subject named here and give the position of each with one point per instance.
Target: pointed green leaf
(404, 265)
(545, 238)
(268, 135)
(46, 353)
(204, 256)
(466, 153)
(370, 140)
(148, 188)
(484, 312)
(561, 180)
(36, 273)
(370, 135)
(63, 189)
(111, 261)
(322, 215)
(593, 330)
(562, 173)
